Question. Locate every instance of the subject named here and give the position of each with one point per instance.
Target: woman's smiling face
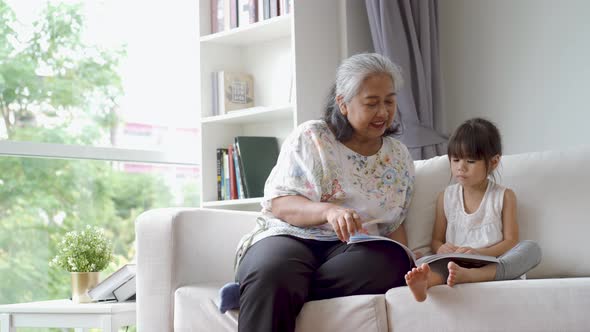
(372, 110)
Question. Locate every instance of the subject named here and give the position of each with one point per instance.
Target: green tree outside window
(48, 83)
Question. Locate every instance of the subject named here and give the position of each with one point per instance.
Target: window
(98, 125)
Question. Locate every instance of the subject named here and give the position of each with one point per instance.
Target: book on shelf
(126, 291)
(274, 8)
(256, 157)
(465, 260)
(224, 15)
(226, 188)
(233, 186)
(247, 12)
(104, 290)
(235, 91)
(285, 7)
(238, 174)
(260, 8)
(220, 174)
(233, 13)
(217, 16)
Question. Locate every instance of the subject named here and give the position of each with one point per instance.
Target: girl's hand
(466, 250)
(447, 248)
(345, 222)
(418, 254)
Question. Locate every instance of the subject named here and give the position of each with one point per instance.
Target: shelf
(290, 80)
(252, 115)
(269, 29)
(233, 202)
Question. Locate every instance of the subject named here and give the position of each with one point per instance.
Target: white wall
(523, 64)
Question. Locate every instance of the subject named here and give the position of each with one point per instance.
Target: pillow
(432, 176)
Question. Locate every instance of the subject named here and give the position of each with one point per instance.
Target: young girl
(475, 215)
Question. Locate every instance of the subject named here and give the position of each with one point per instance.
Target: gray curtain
(406, 31)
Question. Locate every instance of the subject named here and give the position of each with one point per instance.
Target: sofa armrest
(180, 246)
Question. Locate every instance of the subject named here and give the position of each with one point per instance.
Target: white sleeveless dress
(480, 229)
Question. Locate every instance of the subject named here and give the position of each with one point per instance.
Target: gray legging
(513, 264)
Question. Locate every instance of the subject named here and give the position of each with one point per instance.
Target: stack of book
(118, 287)
(242, 167)
(230, 14)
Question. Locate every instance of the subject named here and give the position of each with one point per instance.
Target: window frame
(64, 151)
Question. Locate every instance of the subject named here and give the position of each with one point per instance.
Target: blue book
(238, 174)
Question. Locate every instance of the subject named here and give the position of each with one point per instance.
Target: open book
(104, 290)
(465, 260)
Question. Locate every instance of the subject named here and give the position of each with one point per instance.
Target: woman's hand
(466, 250)
(447, 248)
(346, 222)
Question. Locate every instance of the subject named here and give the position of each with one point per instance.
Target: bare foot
(460, 275)
(417, 280)
(454, 274)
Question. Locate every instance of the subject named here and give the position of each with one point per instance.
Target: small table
(66, 314)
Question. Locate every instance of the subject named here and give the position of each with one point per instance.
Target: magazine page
(360, 237)
(465, 260)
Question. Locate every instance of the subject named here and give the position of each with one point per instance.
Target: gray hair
(349, 77)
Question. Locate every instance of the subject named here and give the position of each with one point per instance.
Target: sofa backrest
(553, 203)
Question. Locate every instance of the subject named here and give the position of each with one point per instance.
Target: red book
(233, 189)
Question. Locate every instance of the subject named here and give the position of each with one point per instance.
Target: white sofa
(185, 255)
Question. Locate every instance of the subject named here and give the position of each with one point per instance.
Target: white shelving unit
(293, 60)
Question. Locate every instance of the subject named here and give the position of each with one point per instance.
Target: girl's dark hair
(340, 126)
(477, 139)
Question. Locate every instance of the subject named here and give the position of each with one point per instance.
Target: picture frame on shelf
(235, 91)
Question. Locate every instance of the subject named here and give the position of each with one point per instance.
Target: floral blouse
(314, 164)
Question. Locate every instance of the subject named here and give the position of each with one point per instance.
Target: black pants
(279, 274)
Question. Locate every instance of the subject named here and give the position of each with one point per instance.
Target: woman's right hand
(345, 222)
(447, 248)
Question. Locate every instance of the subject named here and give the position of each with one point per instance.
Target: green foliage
(47, 82)
(54, 75)
(87, 250)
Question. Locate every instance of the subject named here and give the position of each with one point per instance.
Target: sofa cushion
(195, 309)
(515, 305)
(432, 176)
(350, 313)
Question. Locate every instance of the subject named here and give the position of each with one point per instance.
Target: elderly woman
(332, 175)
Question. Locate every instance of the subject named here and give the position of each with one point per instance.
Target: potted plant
(84, 254)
